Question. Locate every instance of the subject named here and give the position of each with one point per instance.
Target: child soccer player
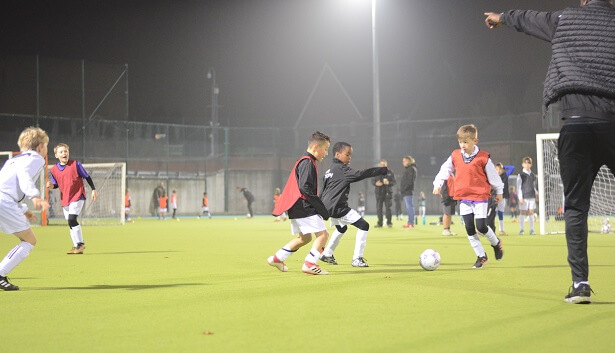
(174, 203)
(67, 175)
(336, 188)
(205, 206)
(361, 204)
(162, 210)
(305, 209)
(423, 207)
(526, 193)
(17, 182)
(504, 172)
(127, 205)
(475, 174)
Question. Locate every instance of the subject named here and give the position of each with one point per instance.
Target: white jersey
(18, 175)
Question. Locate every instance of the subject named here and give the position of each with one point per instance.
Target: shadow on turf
(132, 252)
(120, 286)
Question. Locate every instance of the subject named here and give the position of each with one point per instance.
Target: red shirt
(70, 183)
(471, 181)
(162, 200)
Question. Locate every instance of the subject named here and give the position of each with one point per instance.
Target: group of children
(17, 182)
(475, 178)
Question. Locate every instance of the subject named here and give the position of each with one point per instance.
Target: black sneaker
(6, 285)
(359, 262)
(480, 261)
(499, 252)
(579, 295)
(328, 259)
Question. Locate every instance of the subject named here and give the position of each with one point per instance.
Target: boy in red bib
(306, 210)
(475, 174)
(67, 175)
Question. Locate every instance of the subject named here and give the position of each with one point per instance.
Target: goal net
(110, 181)
(551, 191)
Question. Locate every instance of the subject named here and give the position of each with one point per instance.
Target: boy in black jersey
(335, 192)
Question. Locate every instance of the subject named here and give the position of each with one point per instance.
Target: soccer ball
(429, 260)
(606, 226)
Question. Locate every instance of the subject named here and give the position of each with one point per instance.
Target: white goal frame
(596, 213)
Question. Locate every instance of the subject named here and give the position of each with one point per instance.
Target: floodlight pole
(211, 75)
(376, 88)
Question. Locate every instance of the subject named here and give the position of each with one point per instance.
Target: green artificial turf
(160, 286)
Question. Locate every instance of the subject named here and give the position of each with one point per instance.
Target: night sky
(437, 58)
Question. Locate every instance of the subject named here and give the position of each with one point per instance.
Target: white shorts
(174, 206)
(126, 209)
(205, 209)
(361, 209)
(162, 210)
(12, 218)
(502, 205)
(307, 225)
(73, 208)
(528, 204)
(349, 218)
(479, 209)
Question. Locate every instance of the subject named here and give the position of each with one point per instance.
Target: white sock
(531, 223)
(359, 245)
(491, 237)
(283, 254)
(501, 225)
(313, 256)
(14, 257)
(522, 221)
(78, 234)
(73, 236)
(476, 245)
(333, 243)
(577, 284)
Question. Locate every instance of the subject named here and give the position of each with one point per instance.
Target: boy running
(475, 174)
(305, 209)
(335, 192)
(67, 175)
(16, 183)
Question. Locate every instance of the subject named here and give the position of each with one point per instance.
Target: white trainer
(273, 261)
(313, 269)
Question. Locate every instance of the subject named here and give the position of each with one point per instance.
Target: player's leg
(388, 202)
(522, 213)
(409, 201)
(12, 220)
(483, 227)
(467, 213)
(501, 208)
(531, 205)
(361, 240)
(379, 206)
(310, 265)
(327, 254)
(74, 209)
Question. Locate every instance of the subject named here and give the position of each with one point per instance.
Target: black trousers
(387, 202)
(584, 145)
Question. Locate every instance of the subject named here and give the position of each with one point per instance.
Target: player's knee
(481, 225)
(341, 229)
(72, 221)
(361, 224)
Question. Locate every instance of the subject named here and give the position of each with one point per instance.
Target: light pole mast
(211, 75)
(376, 88)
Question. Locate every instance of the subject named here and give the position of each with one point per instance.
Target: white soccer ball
(429, 260)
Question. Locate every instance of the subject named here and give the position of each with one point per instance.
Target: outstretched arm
(541, 25)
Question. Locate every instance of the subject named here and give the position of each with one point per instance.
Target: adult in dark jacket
(249, 199)
(384, 194)
(407, 188)
(336, 187)
(581, 77)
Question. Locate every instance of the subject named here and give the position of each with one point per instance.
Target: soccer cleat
(77, 249)
(6, 285)
(313, 269)
(499, 252)
(532, 232)
(579, 295)
(408, 225)
(480, 261)
(448, 232)
(328, 259)
(275, 262)
(521, 232)
(359, 262)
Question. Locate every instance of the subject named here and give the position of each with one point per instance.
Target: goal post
(551, 191)
(110, 182)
